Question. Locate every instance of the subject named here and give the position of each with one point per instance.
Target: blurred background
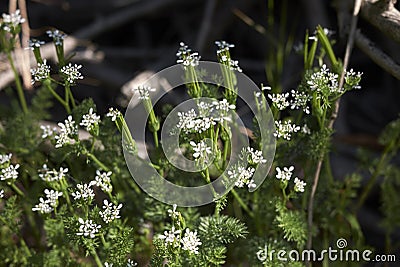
(120, 41)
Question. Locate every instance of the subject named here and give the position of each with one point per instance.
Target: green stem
(17, 190)
(68, 95)
(95, 159)
(241, 203)
(18, 84)
(374, 176)
(47, 83)
(96, 257)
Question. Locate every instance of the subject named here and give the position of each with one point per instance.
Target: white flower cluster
(325, 82)
(223, 45)
(113, 113)
(72, 73)
(300, 100)
(285, 129)
(88, 228)
(241, 173)
(84, 192)
(253, 156)
(171, 237)
(9, 172)
(11, 21)
(353, 78)
(173, 213)
(47, 131)
(52, 175)
(144, 91)
(103, 180)
(110, 212)
(5, 159)
(33, 43)
(190, 242)
(209, 115)
(42, 72)
(186, 57)
(90, 120)
(47, 205)
(68, 130)
(201, 150)
(223, 54)
(57, 36)
(1, 193)
(286, 175)
(280, 100)
(242, 176)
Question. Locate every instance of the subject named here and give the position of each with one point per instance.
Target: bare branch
(383, 15)
(377, 55)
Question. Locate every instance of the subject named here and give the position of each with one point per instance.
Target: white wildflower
(1, 193)
(144, 91)
(43, 206)
(72, 73)
(11, 21)
(201, 150)
(170, 236)
(300, 100)
(9, 173)
(223, 45)
(5, 158)
(190, 60)
(223, 105)
(33, 43)
(280, 100)
(42, 72)
(242, 176)
(256, 156)
(173, 213)
(68, 129)
(84, 192)
(265, 87)
(47, 131)
(110, 212)
(191, 242)
(183, 50)
(103, 180)
(88, 228)
(285, 129)
(52, 175)
(284, 174)
(113, 114)
(52, 196)
(299, 185)
(90, 120)
(57, 36)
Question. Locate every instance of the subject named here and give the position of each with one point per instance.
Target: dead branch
(377, 55)
(383, 15)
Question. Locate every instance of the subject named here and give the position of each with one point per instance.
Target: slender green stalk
(95, 159)
(241, 203)
(65, 104)
(20, 90)
(96, 257)
(17, 190)
(371, 182)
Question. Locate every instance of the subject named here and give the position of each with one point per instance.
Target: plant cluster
(70, 200)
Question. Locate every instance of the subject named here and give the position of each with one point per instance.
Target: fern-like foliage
(293, 224)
